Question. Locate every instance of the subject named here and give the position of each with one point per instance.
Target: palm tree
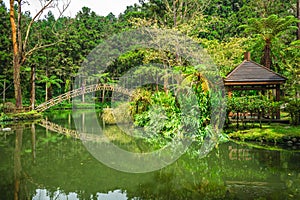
(52, 80)
(269, 29)
(193, 77)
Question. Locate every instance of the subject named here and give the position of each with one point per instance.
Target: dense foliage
(225, 29)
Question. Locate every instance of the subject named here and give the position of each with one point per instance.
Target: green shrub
(293, 107)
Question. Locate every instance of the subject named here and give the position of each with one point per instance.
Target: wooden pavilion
(250, 75)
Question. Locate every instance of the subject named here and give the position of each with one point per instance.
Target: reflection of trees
(64, 163)
(219, 177)
(188, 178)
(33, 142)
(17, 162)
(60, 162)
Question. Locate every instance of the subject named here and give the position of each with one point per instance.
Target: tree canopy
(50, 47)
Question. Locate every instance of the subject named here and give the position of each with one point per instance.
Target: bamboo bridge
(81, 91)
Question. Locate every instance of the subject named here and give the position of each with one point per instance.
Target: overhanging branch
(37, 15)
(37, 47)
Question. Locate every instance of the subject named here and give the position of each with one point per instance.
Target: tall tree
(5, 50)
(269, 29)
(265, 8)
(180, 11)
(20, 42)
(298, 17)
(16, 51)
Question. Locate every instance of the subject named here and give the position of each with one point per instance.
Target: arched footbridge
(80, 91)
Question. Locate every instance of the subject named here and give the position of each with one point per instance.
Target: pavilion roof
(252, 73)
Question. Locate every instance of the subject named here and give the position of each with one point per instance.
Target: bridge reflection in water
(48, 125)
(38, 168)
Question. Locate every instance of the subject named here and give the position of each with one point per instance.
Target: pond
(37, 163)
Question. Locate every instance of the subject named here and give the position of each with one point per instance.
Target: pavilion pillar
(278, 99)
(229, 92)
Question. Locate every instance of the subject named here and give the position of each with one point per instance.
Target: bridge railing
(80, 91)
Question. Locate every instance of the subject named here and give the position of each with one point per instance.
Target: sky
(101, 7)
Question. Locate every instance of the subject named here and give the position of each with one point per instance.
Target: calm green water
(37, 163)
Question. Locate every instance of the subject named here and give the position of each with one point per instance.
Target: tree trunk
(16, 57)
(49, 92)
(83, 90)
(32, 92)
(4, 89)
(166, 82)
(46, 95)
(174, 13)
(17, 85)
(46, 89)
(298, 17)
(266, 59)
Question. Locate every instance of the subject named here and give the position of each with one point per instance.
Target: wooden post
(278, 99)
(83, 84)
(229, 93)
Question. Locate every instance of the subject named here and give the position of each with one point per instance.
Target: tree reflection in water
(40, 164)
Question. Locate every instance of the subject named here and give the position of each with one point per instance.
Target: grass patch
(268, 133)
(20, 116)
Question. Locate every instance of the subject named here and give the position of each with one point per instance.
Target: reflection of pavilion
(263, 186)
(68, 166)
(254, 189)
(265, 157)
(239, 154)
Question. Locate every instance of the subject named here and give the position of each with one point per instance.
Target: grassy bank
(69, 106)
(273, 133)
(20, 116)
(31, 115)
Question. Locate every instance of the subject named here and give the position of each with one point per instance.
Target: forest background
(48, 51)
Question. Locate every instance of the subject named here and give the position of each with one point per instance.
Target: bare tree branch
(37, 15)
(49, 4)
(37, 47)
(64, 8)
(61, 12)
(183, 10)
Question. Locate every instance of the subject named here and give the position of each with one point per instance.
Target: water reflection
(17, 161)
(239, 154)
(37, 163)
(46, 195)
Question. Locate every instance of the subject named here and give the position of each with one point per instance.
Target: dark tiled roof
(249, 71)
